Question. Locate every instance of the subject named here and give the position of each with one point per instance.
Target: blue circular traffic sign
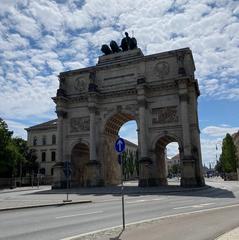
(120, 145)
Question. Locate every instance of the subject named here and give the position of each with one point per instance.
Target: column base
(192, 182)
(94, 178)
(145, 176)
(190, 177)
(58, 177)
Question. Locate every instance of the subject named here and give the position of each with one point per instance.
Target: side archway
(160, 156)
(80, 156)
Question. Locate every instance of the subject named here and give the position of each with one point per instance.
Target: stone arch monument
(158, 91)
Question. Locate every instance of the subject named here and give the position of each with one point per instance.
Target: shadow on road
(206, 191)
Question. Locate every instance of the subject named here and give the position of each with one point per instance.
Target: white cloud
(47, 14)
(17, 128)
(210, 154)
(215, 131)
(172, 149)
(25, 25)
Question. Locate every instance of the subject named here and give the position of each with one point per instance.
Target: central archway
(110, 166)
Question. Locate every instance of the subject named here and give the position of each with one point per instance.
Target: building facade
(42, 141)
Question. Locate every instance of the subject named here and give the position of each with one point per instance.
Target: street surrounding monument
(186, 213)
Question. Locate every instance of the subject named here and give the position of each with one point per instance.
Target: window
(35, 141)
(53, 156)
(44, 140)
(43, 156)
(52, 171)
(42, 171)
(53, 139)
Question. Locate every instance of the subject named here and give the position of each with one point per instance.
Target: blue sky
(40, 38)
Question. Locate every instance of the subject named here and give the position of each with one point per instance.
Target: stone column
(188, 173)
(93, 166)
(92, 133)
(142, 136)
(145, 176)
(58, 178)
(185, 124)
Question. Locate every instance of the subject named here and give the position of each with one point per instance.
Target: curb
(45, 205)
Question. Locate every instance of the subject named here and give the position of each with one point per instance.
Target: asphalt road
(65, 221)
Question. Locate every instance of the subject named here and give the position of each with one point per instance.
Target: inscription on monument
(165, 115)
(80, 124)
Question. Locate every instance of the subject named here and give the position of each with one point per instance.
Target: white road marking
(137, 201)
(143, 200)
(80, 214)
(150, 220)
(194, 206)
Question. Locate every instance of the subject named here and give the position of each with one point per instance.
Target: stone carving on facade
(80, 84)
(165, 115)
(162, 69)
(80, 124)
(131, 108)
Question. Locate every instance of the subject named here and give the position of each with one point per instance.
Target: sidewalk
(232, 235)
(28, 197)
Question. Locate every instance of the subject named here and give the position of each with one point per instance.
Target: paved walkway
(232, 235)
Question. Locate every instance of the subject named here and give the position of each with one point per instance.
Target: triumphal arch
(158, 91)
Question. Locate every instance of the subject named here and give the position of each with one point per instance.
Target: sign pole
(67, 182)
(120, 147)
(122, 191)
(67, 174)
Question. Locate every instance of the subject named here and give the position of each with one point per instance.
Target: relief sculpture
(165, 115)
(80, 84)
(80, 124)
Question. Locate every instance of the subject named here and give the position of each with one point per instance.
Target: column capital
(184, 97)
(61, 113)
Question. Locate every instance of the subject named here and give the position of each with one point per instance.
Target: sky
(41, 38)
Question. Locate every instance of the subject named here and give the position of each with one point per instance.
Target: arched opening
(129, 133)
(123, 125)
(79, 157)
(167, 158)
(173, 163)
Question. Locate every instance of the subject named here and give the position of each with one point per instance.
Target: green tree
(218, 167)
(8, 151)
(174, 169)
(27, 161)
(228, 158)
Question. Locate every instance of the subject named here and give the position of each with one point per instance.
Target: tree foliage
(15, 157)
(130, 164)
(228, 160)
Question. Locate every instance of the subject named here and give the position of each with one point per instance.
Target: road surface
(61, 222)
